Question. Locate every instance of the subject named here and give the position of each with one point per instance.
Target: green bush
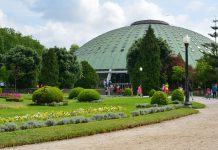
(75, 92)
(127, 92)
(177, 95)
(88, 95)
(151, 93)
(14, 99)
(47, 94)
(159, 98)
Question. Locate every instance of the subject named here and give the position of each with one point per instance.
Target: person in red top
(139, 91)
(208, 93)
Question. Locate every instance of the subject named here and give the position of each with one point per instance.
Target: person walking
(214, 89)
(139, 91)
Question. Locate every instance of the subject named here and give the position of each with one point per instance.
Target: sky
(64, 22)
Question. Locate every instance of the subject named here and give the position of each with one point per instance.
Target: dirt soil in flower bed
(195, 132)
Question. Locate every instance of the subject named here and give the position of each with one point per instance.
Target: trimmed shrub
(8, 127)
(63, 121)
(177, 95)
(47, 94)
(151, 93)
(88, 95)
(31, 124)
(127, 92)
(159, 98)
(146, 105)
(79, 119)
(50, 122)
(14, 99)
(97, 101)
(108, 116)
(75, 92)
(176, 102)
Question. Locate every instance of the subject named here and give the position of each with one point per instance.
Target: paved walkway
(195, 132)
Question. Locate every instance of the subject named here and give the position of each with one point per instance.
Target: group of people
(165, 88)
(117, 89)
(212, 91)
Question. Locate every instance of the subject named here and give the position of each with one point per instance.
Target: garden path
(195, 132)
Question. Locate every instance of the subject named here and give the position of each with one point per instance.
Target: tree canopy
(69, 68)
(24, 65)
(145, 53)
(9, 38)
(50, 68)
(90, 78)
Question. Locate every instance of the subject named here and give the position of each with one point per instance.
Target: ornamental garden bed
(48, 123)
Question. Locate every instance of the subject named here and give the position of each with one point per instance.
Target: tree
(204, 72)
(50, 69)
(4, 74)
(69, 68)
(178, 74)
(74, 48)
(9, 38)
(23, 62)
(165, 52)
(16, 73)
(211, 53)
(90, 78)
(145, 53)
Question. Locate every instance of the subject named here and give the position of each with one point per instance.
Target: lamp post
(186, 41)
(141, 69)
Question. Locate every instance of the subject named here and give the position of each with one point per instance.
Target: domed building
(107, 52)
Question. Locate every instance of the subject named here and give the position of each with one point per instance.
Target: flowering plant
(60, 114)
(11, 95)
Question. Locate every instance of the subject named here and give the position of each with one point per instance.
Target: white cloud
(81, 21)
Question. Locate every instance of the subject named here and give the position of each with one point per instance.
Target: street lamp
(141, 69)
(186, 41)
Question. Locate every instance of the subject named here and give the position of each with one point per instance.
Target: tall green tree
(4, 75)
(9, 38)
(69, 68)
(50, 69)
(145, 53)
(165, 52)
(178, 73)
(24, 65)
(204, 73)
(90, 78)
(74, 48)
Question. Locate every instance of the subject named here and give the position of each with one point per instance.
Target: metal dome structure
(107, 52)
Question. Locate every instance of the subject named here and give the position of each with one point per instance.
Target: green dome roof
(109, 50)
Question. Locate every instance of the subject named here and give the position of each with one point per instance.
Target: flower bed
(8, 127)
(59, 114)
(12, 97)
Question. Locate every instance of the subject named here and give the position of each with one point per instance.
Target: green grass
(70, 131)
(20, 137)
(128, 103)
(197, 105)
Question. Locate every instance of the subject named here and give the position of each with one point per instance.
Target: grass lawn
(70, 131)
(43, 134)
(127, 104)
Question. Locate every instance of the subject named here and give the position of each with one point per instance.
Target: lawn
(126, 105)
